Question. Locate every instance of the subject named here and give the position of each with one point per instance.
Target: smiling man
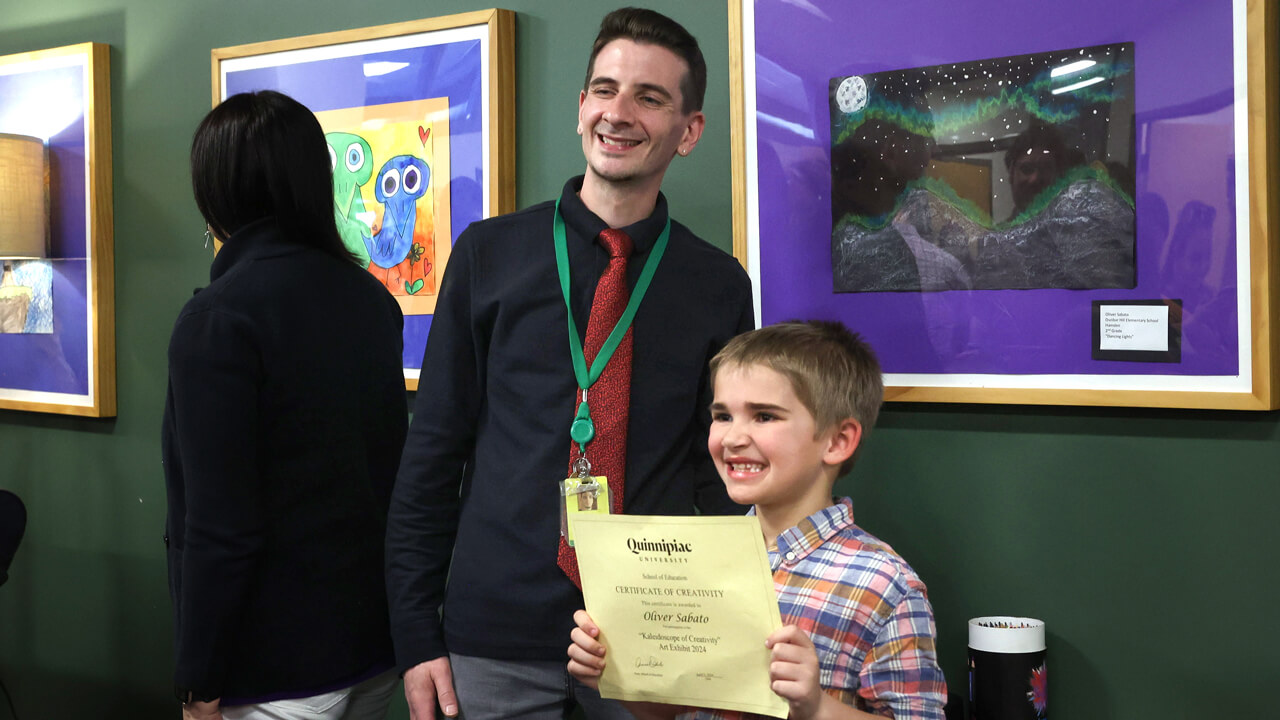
(491, 466)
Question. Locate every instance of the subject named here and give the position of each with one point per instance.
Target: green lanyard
(583, 429)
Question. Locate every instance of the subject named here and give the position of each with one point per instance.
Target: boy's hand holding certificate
(684, 605)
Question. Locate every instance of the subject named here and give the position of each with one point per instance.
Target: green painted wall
(1140, 536)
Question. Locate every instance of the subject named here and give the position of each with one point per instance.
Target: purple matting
(1184, 152)
(57, 363)
(451, 70)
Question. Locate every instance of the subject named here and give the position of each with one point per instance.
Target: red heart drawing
(423, 135)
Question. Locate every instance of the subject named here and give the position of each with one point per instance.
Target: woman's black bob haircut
(263, 154)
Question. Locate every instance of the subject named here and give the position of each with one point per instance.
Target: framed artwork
(57, 319)
(1051, 204)
(420, 121)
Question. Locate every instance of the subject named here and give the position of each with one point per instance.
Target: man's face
(631, 117)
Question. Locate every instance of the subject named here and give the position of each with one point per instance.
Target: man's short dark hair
(653, 28)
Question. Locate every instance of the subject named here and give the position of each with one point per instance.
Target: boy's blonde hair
(833, 371)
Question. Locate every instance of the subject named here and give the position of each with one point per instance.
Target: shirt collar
(583, 223)
(797, 543)
(260, 238)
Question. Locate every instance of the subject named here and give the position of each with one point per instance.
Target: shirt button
(791, 557)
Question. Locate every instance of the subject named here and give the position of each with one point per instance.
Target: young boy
(792, 405)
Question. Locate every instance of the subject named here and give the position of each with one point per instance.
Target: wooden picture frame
(66, 365)
(402, 94)
(1206, 76)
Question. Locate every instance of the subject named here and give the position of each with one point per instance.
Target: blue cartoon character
(351, 160)
(402, 180)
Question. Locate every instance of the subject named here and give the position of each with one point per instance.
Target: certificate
(684, 605)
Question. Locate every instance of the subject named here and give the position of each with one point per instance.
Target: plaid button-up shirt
(866, 612)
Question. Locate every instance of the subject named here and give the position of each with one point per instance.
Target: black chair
(13, 523)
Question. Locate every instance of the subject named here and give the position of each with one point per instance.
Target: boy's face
(766, 443)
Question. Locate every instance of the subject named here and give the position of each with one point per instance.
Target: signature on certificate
(650, 662)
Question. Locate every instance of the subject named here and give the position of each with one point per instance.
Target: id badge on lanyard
(583, 492)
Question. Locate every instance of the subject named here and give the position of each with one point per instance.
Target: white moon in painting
(851, 96)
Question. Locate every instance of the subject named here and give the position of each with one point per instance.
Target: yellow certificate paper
(684, 605)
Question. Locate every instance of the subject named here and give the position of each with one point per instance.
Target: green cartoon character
(352, 161)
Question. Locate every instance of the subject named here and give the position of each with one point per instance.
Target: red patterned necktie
(610, 396)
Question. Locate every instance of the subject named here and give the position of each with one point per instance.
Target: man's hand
(427, 684)
(586, 654)
(202, 710)
(793, 671)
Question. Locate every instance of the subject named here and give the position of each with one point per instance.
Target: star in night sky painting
(1005, 173)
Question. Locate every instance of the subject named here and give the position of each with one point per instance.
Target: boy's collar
(795, 543)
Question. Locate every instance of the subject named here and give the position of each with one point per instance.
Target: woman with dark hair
(283, 428)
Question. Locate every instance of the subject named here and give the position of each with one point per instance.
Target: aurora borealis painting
(1005, 173)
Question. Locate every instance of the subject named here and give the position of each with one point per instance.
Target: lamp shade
(24, 197)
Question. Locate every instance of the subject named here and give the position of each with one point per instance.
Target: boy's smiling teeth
(746, 467)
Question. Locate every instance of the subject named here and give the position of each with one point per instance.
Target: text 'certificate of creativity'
(684, 605)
